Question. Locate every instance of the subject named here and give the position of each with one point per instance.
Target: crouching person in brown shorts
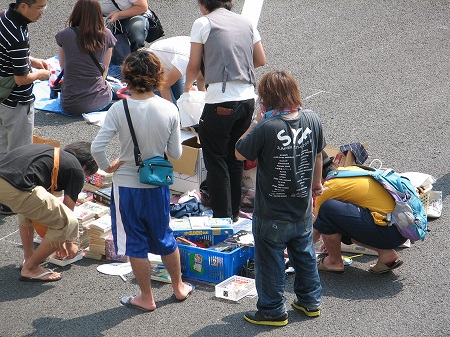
(25, 178)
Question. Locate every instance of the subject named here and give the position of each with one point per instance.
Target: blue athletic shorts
(355, 223)
(140, 221)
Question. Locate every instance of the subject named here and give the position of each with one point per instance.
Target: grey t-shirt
(83, 87)
(286, 151)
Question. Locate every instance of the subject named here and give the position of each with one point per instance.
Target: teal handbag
(156, 171)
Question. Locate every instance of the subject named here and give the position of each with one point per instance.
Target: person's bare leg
(141, 270)
(27, 236)
(173, 266)
(333, 244)
(32, 268)
(387, 256)
(316, 235)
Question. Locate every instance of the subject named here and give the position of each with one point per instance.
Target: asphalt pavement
(376, 72)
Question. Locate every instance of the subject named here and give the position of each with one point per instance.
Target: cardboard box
(189, 169)
(341, 159)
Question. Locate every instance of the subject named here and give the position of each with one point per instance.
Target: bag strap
(115, 4)
(348, 173)
(102, 71)
(137, 151)
(58, 79)
(54, 185)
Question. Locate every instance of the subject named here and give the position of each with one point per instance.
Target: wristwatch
(254, 121)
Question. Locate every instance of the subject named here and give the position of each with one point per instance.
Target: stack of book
(98, 230)
(103, 195)
(89, 211)
(83, 238)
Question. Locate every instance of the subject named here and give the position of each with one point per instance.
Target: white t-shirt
(236, 90)
(156, 123)
(108, 6)
(173, 52)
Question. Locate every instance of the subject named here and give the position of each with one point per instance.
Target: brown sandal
(381, 268)
(321, 266)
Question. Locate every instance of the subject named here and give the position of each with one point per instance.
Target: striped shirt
(15, 55)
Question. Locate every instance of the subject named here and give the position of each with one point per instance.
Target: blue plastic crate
(210, 265)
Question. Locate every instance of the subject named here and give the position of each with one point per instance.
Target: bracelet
(254, 121)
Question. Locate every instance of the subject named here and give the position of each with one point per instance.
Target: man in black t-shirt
(25, 177)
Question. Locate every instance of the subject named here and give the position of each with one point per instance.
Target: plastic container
(52, 78)
(235, 288)
(210, 265)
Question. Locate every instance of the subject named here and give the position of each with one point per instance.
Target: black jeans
(219, 132)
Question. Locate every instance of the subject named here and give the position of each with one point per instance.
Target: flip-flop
(126, 301)
(381, 268)
(38, 278)
(321, 266)
(188, 294)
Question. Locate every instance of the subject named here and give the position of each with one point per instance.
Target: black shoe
(256, 317)
(5, 210)
(306, 311)
(236, 218)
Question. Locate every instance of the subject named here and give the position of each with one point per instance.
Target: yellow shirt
(364, 192)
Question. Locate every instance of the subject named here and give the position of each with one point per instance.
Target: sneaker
(5, 210)
(256, 317)
(306, 311)
(434, 205)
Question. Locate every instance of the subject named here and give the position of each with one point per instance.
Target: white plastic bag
(190, 105)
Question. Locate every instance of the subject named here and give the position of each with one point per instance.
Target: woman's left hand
(115, 164)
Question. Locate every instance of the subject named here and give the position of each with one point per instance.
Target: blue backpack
(409, 215)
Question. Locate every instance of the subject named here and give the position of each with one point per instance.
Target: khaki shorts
(43, 207)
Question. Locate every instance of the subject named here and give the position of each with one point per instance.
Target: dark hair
(279, 90)
(142, 71)
(82, 151)
(87, 16)
(328, 164)
(28, 2)
(211, 5)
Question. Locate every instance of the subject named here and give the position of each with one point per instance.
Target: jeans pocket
(275, 231)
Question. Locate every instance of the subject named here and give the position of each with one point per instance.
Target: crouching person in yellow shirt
(352, 210)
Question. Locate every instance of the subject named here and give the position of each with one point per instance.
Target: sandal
(381, 268)
(321, 266)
